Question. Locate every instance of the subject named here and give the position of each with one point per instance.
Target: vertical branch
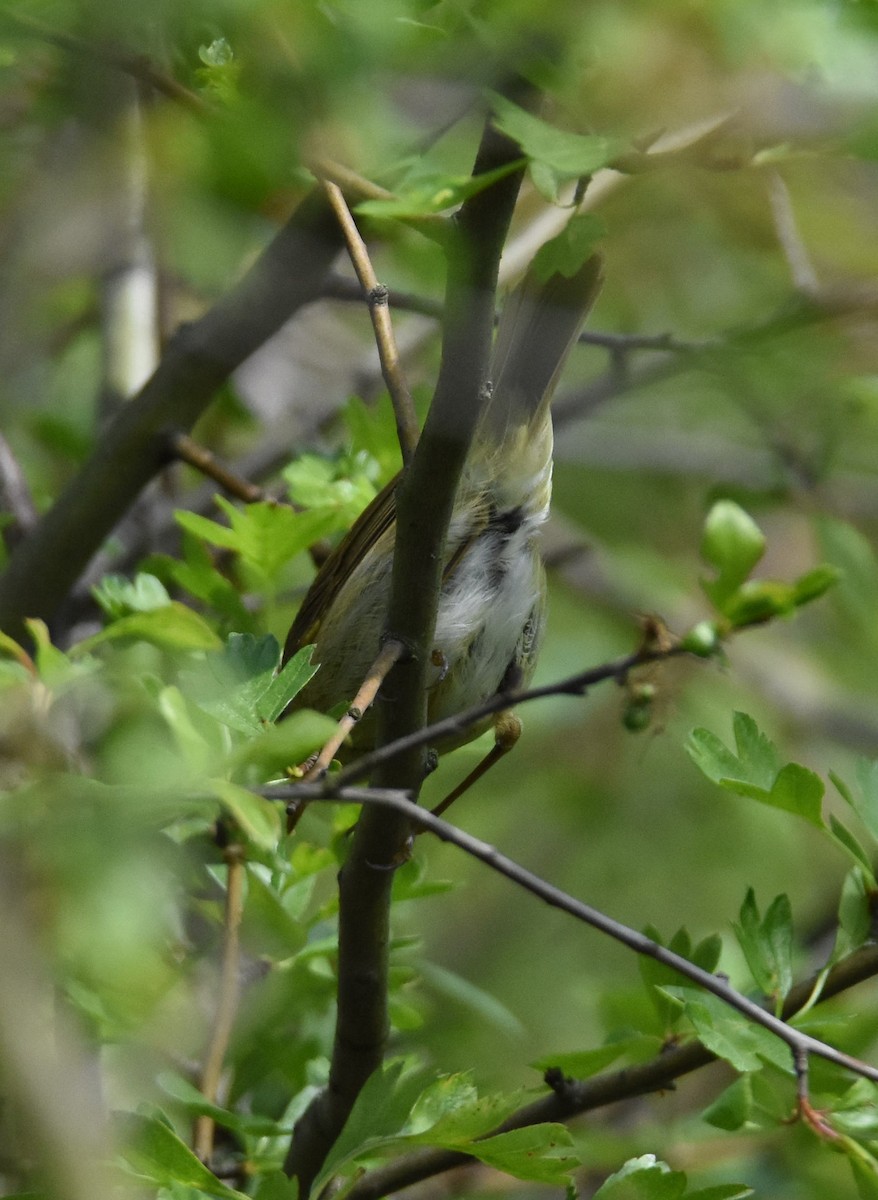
(424, 505)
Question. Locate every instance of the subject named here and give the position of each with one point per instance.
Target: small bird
(491, 611)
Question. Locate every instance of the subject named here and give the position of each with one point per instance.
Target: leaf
(119, 596)
(538, 1153)
(287, 684)
(753, 771)
(850, 845)
(581, 1064)
(154, 1151)
(278, 747)
(259, 819)
(566, 253)
(569, 155)
(643, 1178)
(433, 193)
(174, 627)
(732, 1108)
(719, 1028)
(768, 944)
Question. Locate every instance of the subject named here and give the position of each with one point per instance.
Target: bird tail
(539, 326)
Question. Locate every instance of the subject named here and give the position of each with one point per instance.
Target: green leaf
(174, 627)
(851, 845)
(277, 747)
(569, 155)
(239, 686)
(155, 1152)
(722, 1191)
(753, 771)
(768, 944)
(119, 596)
(539, 1153)
(581, 1064)
(814, 584)
(265, 535)
(730, 1036)
(259, 819)
(431, 193)
(733, 1107)
(732, 543)
(566, 253)
(643, 1178)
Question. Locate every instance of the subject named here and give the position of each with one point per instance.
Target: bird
(492, 603)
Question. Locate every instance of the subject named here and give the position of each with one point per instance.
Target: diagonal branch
(570, 1097)
(379, 843)
(134, 447)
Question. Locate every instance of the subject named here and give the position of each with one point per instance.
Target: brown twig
(390, 654)
(227, 1005)
(376, 296)
(356, 188)
(189, 451)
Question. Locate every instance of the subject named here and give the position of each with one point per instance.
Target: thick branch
(288, 274)
(424, 505)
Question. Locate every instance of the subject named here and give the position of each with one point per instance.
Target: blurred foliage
(740, 235)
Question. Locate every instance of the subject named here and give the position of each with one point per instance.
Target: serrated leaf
(174, 627)
(428, 194)
(643, 1178)
(155, 1152)
(581, 1064)
(258, 818)
(569, 155)
(768, 944)
(277, 747)
(730, 1036)
(119, 596)
(733, 1107)
(538, 1153)
(287, 684)
(851, 845)
(566, 253)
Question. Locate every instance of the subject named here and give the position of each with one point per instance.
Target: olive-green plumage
(492, 605)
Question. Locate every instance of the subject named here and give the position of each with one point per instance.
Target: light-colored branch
(376, 296)
(227, 1005)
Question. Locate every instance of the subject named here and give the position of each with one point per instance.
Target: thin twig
(227, 1005)
(376, 296)
(799, 1042)
(131, 62)
(189, 451)
(390, 654)
(458, 723)
(356, 188)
